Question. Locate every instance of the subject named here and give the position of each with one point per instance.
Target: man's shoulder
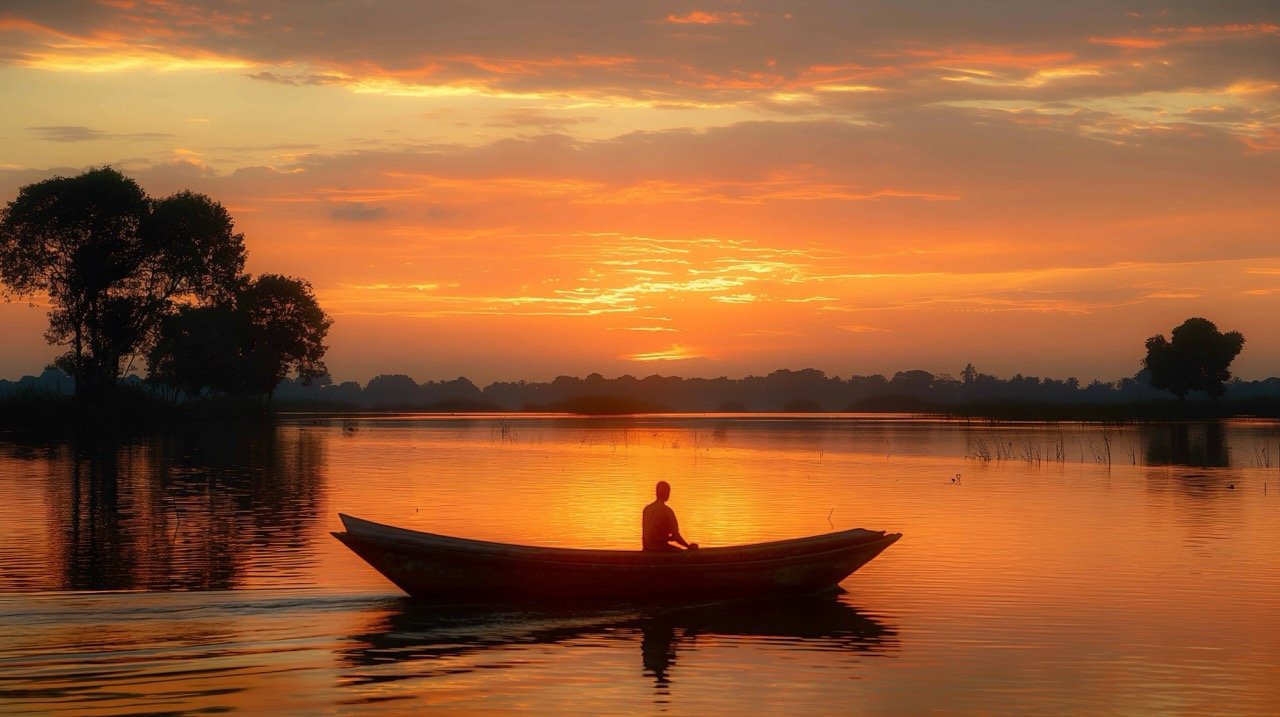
(659, 508)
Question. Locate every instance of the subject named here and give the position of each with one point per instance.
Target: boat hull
(441, 568)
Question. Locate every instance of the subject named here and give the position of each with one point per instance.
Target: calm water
(1045, 569)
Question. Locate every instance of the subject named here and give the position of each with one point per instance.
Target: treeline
(787, 391)
(807, 390)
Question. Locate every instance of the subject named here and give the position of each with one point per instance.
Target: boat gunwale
(786, 550)
(667, 561)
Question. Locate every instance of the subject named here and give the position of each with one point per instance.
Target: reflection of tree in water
(415, 641)
(1201, 445)
(190, 510)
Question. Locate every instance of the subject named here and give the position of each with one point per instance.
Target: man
(659, 528)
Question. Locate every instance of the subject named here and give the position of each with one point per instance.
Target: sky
(518, 190)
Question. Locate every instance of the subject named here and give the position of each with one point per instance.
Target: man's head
(663, 490)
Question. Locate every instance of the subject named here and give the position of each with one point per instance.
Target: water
(1045, 568)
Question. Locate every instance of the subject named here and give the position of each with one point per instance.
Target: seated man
(659, 528)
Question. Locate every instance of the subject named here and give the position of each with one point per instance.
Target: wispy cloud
(703, 17)
(79, 133)
(676, 352)
(357, 212)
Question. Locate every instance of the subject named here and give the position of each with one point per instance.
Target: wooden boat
(441, 568)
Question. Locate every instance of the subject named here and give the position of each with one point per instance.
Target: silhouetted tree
(394, 391)
(199, 347)
(460, 390)
(915, 383)
(270, 327)
(286, 330)
(1196, 359)
(114, 262)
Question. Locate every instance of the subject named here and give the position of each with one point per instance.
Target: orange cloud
(1164, 36)
(1268, 140)
(701, 17)
(1261, 28)
(1137, 43)
(978, 55)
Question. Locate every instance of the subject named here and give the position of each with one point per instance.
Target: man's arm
(675, 533)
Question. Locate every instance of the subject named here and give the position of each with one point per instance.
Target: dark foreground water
(1045, 569)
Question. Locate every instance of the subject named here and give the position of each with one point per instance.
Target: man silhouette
(659, 528)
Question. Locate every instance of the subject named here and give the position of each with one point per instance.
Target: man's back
(658, 524)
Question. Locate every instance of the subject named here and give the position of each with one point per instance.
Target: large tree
(114, 262)
(1197, 359)
(286, 331)
(268, 328)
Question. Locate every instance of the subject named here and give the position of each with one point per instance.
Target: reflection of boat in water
(813, 622)
(438, 567)
(413, 641)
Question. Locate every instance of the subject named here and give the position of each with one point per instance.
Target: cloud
(1079, 69)
(535, 118)
(675, 352)
(868, 56)
(736, 298)
(357, 212)
(77, 133)
(298, 79)
(702, 17)
(821, 202)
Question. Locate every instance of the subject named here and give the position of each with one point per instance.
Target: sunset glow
(721, 188)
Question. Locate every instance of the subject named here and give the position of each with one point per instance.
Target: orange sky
(504, 191)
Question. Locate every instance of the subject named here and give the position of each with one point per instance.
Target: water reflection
(199, 509)
(413, 640)
(1201, 445)
(813, 623)
(1180, 618)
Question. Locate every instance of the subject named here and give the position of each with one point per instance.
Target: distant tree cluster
(808, 390)
(130, 277)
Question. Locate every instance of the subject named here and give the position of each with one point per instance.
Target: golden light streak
(1259, 28)
(848, 88)
(758, 191)
(976, 58)
(1251, 87)
(701, 17)
(125, 61)
(392, 87)
(1137, 43)
(677, 352)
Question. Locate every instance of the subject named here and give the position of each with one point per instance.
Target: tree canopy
(114, 262)
(1196, 359)
(269, 327)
